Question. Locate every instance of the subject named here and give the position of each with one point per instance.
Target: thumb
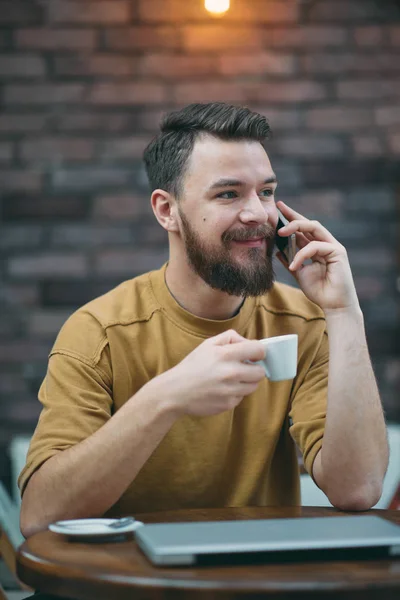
(227, 337)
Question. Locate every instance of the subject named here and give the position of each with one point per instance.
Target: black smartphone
(287, 245)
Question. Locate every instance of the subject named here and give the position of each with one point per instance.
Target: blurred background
(84, 84)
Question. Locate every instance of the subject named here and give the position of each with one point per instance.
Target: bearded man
(153, 398)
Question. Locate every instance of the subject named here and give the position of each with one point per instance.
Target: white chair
(17, 450)
(10, 536)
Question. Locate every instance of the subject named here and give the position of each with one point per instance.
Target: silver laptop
(220, 542)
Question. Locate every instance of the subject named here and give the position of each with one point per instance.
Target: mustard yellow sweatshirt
(111, 347)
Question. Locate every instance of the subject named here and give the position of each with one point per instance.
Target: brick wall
(83, 86)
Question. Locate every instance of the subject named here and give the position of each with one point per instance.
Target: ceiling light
(217, 7)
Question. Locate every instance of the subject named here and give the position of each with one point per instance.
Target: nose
(255, 211)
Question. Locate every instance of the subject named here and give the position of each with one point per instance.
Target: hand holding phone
(286, 245)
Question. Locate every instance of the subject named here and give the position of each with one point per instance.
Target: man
(153, 400)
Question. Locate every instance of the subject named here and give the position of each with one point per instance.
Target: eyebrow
(237, 183)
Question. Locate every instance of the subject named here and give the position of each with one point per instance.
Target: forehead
(213, 158)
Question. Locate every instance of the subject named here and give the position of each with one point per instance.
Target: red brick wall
(83, 85)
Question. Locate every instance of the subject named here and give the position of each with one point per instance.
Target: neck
(198, 298)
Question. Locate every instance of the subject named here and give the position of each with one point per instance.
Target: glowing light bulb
(217, 7)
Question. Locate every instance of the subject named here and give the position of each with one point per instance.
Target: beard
(220, 271)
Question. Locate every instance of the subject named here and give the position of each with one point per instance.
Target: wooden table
(113, 571)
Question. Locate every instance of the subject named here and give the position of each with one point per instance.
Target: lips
(252, 242)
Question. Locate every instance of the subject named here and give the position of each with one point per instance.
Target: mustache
(243, 234)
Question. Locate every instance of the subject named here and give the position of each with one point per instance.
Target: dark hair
(167, 155)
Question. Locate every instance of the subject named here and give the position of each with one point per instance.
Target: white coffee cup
(280, 360)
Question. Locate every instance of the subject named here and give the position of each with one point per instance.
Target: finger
(250, 373)
(301, 242)
(246, 350)
(313, 251)
(288, 212)
(227, 337)
(245, 389)
(292, 215)
(311, 228)
(302, 239)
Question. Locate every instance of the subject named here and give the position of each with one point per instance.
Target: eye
(227, 195)
(267, 193)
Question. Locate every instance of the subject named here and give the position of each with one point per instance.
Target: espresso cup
(280, 360)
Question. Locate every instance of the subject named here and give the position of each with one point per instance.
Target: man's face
(228, 215)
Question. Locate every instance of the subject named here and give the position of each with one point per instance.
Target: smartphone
(287, 245)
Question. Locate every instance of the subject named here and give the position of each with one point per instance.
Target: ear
(165, 209)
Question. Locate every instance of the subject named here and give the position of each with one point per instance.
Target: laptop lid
(189, 543)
